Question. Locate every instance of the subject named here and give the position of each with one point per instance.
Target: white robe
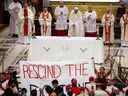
(1, 91)
(89, 86)
(76, 27)
(90, 19)
(61, 19)
(109, 22)
(100, 93)
(121, 94)
(14, 9)
(110, 88)
(45, 23)
(26, 39)
(34, 13)
(124, 30)
(33, 9)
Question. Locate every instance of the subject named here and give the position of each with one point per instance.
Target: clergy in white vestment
(26, 22)
(89, 18)
(124, 29)
(45, 22)
(91, 86)
(14, 9)
(108, 27)
(61, 14)
(111, 88)
(76, 27)
(100, 92)
(32, 8)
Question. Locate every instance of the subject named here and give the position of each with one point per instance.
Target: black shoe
(14, 36)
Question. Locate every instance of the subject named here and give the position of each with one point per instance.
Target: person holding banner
(124, 29)
(45, 22)
(90, 22)
(14, 9)
(61, 14)
(26, 22)
(76, 27)
(102, 75)
(108, 27)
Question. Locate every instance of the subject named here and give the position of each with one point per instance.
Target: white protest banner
(66, 49)
(40, 74)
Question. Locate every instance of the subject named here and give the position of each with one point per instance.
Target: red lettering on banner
(53, 71)
(70, 67)
(33, 71)
(26, 71)
(78, 70)
(57, 71)
(50, 71)
(84, 73)
(42, 71)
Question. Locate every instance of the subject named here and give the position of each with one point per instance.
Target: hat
(75, 8)
(74, 81)
(91, 78)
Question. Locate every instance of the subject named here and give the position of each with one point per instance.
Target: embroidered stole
(25, 26)
(45, 16)
(107, 28)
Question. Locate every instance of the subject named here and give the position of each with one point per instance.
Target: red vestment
(25, 26)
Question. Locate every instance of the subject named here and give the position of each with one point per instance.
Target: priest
(108, 27)
(45, 22)
(76, 27)
(90, 22)
(26, 23)
(61, 14)
(124, 29)
(14, 9)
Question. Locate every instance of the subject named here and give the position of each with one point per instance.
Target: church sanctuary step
(13, 56)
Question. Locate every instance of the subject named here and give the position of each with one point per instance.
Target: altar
(66, 49)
